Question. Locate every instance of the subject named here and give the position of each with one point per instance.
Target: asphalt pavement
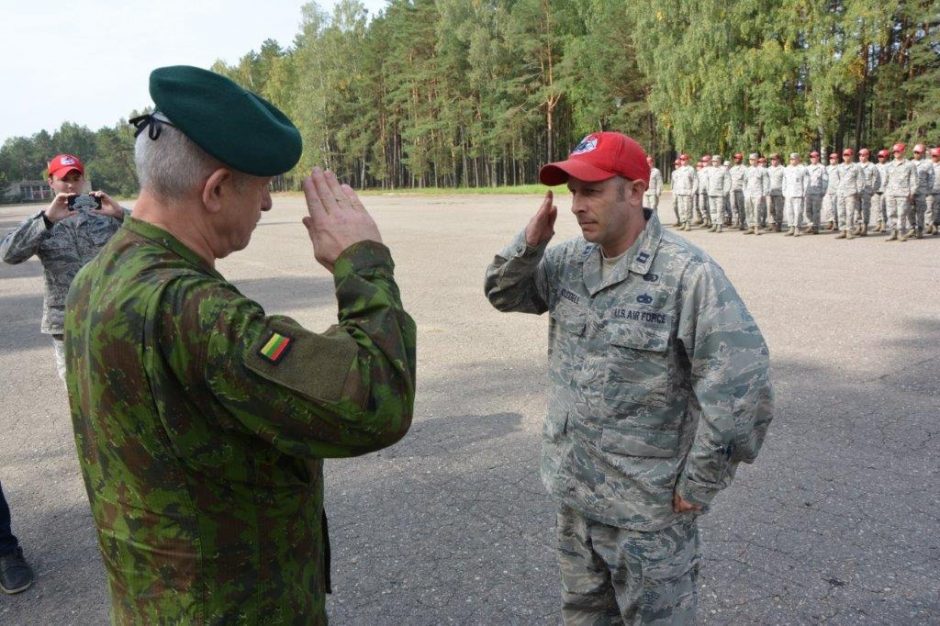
(836, 522)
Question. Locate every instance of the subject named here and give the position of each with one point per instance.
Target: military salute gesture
(541, 228)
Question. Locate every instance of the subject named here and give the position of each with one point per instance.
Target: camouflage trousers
(848, 205)
(794, 211)
(684, 204)
(899, 212)
(716, 205)
(919, 211)
(613, 575)
(58, 344)
(651, 201)
(737, 206)
(754, 211)
(675, 208)
(775, 209)
(831, 208)
(880, 208)
(701, 209)
(933, 209)
(863, 214)
(813, 210)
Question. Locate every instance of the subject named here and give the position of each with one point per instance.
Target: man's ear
(637, 190)
(212, 190)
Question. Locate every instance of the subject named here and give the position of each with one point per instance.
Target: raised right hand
(541, 227)
(337, 217)
(59, 209)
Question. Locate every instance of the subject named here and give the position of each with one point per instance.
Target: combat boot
(790, 231)
(850, 234)
(718, 228)
(905, 236)
(831, 226)
(15, 573)
(931, 229)
(749, 231)
(919, 234)
(757, 230)
(863, 231)
(778, 227)
(893, 236)
(880, 228)
(842, 235)
(696, 221)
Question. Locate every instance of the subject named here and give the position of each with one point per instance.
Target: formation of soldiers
(897, 196)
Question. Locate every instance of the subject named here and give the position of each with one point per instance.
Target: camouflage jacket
(758, 181)
(656, 182)
(62, 250)
(201, 423)
(738, 177)
(851, 179)
(795, 181)
(834, 173)
(703, 176)
(684, 181)
(719, 181)
(936, 177)
(900, 178)
(776, 179)
(925, 175)
(818, 179)
(872, 176)
(659, 375)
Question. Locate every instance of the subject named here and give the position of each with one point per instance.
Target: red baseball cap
(883, 153)
(814, 154)
(761, 160)
(919, 148)
(935, 152)
(62, 164)
(848, 152)
(898, 147)
(598, 157)
(683, 157)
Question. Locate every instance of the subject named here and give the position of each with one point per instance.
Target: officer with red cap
(775, 202)
(880, 208)
(900, 185)
(851, 184)
(638, 317)
(872, 182)
(925, 184)
(933, 200)
(684, 190)
(756, 188)
(831, 199)
(703, 208)
(655, 189)
(817, 183)
(64, 236)
(675, 204)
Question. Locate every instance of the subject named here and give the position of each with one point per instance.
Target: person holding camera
(65, 236)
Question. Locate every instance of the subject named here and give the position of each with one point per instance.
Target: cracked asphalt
(836, 523)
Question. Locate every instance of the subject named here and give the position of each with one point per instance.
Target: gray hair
(171, 166)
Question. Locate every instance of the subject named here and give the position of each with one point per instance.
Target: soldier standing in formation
(831, 199)
(719, 184)
(675, 202)
(775, 199)
(756, 188)
(851, 184)
(900, 185)
(880, 208)
(703, 212)
(651, 197)
(924, 189)
(659, 387)
(872, 183)
(795, 182)
(817, 181)
(738, 174)
(933, 200)
(684, 189)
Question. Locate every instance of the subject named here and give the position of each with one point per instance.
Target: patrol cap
(62, 164)
(794, 156)
(598, 157)
(848, 152)
(774, 157)
(883, 154)
(762, 160)
(232, 124)
(898, 147)
(716, 157)
(919, 148)
(814, 153)
(754, 155)
(864, 152)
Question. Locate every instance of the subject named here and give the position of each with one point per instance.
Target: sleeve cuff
(695, 492)
(364, 257)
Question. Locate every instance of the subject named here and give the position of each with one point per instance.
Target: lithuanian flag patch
(276, 347)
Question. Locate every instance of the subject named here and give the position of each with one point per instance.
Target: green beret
(237, 127)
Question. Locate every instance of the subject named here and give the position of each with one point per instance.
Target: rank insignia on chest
(276, 347)
(643, 257)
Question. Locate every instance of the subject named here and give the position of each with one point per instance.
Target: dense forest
(455, 93)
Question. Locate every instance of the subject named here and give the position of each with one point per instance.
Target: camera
(83, 201)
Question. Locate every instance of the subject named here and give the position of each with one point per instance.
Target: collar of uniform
(164, 239)
(636, 259)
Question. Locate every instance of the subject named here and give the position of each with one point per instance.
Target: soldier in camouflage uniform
(684, 188)
(795, 181)
(659, 387)
(704, 170)
(933, 200)
(756, 188)
(872, 182)
(925, 184)
(738, 174)
(878, 200)
(851, 184)
(719, 184)
(816, 185)
(900, 184)
(201, 422)
(831, 199)
(651, 197)
(775, 197)
(675, 202)
(64, 240)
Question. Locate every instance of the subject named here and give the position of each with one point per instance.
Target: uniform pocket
(637, 367)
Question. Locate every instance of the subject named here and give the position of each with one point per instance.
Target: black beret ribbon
(152, 123)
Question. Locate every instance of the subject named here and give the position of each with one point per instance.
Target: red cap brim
(558, 173)
(62, 172)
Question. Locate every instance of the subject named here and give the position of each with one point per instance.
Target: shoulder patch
(276, 347)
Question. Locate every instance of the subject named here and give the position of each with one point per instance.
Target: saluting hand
(541, 227)
(337, 217)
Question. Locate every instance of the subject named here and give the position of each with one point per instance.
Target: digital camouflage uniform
(900, 184)
(880, 208)
(703, 209)
(851, 185)
(719, 185)
(684, 188)
(201, 423)
(925, 184)
(816, 185)
(63, 249)
(655, 189)
(775, 197)
(831, 199)
(659, 384)
(795, 181)
(933, 200)
(872, 183)
(756, 189)
(738, 173)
